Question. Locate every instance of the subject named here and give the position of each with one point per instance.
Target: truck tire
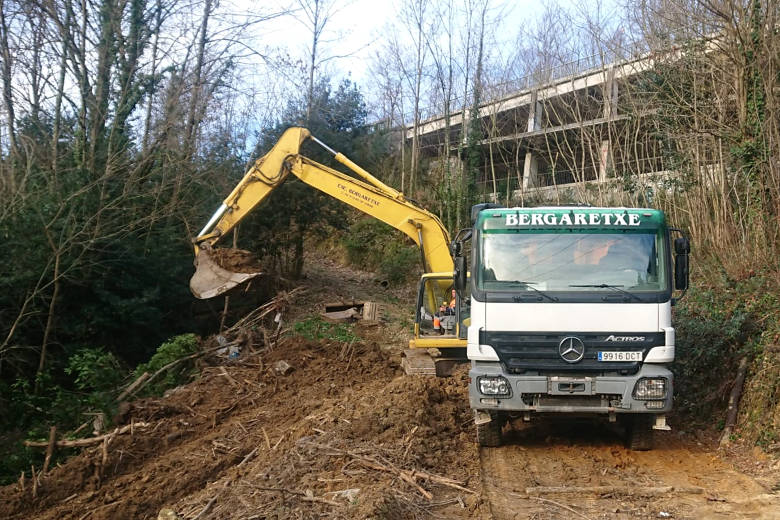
(639, 432)
(489, 434)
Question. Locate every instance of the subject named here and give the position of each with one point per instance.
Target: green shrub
(94, 369)
(399, 262)
(175, 348)
(315, 328)
(371, 244)
(718, 323)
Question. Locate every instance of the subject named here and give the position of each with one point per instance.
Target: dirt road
(570, 469)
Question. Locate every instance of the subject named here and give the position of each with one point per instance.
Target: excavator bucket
(211, 279)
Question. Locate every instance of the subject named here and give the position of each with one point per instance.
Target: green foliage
(399, 262)
(315, 329)
(94, 369)
(718, 323)
(372, 244)
(174, 349)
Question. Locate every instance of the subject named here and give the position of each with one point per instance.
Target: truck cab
(571, 314)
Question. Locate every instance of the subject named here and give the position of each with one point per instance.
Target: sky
(357, 25)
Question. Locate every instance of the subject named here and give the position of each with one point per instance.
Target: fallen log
(613, 490)
(49, 449)
(133, 386)
(89, 441)
(734, 398)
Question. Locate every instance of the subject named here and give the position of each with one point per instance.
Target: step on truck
(571, 313)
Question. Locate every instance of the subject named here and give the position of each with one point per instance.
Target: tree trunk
(5, 54)
(197, 81)
(60, 90)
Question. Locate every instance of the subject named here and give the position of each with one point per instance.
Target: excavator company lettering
(357, 195)
(566, 219)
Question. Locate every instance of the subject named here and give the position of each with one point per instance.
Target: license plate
(620, 356)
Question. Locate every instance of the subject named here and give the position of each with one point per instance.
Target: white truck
(571, 313)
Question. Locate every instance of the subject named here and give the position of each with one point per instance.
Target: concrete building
(588, 128)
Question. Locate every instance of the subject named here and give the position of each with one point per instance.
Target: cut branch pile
(375, 463)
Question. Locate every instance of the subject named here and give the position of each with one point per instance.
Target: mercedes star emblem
(571, 349)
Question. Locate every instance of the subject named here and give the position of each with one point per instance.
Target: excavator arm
(369, 195)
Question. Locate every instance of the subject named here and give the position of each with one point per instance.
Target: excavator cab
(440, 311)
(440, 327)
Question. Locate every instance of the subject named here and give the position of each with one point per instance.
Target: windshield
(516, 260)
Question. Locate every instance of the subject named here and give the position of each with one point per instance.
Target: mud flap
(211, 280)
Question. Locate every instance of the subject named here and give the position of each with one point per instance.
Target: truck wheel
(489, 434)
(640, 433)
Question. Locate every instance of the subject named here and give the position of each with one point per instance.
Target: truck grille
(538, 351)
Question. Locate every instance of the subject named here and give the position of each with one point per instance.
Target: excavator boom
(369, 195)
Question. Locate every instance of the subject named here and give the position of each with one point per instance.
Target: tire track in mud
(590, 454)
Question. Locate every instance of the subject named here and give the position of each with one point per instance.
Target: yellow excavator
(438, 323)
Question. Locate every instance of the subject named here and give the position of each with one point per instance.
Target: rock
(282, 367)
(347, 494)
(167, 514)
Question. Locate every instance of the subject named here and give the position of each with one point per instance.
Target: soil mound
(340, 433)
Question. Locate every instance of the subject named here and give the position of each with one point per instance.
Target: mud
(236, 260)
(536, 475)
(323, 440)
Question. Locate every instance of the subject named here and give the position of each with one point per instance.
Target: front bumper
(563, 393)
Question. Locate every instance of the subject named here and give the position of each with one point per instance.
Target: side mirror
(460, 273)
(682, 248)
(476, 208)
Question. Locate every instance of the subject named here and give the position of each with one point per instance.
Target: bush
(398, 263)
(718, 323)
(94, 369)
(371, 244)
(174, 349)
(316, 328)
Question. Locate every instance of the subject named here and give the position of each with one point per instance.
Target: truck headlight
(493, 385)
(650, 388)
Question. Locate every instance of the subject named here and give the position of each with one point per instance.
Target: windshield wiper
(528, 285)
(617, 288)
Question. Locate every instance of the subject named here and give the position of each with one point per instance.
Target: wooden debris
(370, 311)
(614, 490)
(247, 457)
(346, 316)
(340, 312)
(133, 386)
(89, 441)
(562, 506)
(307, 495)
(409, 476)
(49, 448)
(734, 398)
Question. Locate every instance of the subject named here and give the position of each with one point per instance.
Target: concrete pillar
(534, 113)
(530, 171)
(605, 159)
(610, 93)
